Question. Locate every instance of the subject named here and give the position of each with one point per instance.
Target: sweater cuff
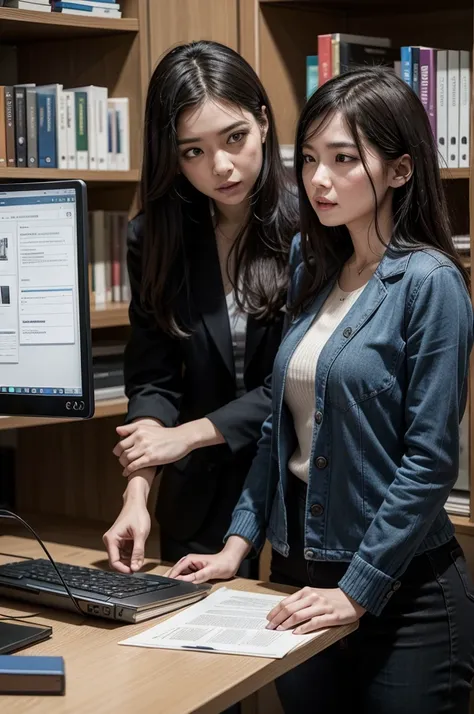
(246, 525)
(369, 587)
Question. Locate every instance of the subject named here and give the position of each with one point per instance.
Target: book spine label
(415, 65)
(46, 104)
(428, 84)
(61, 128)
(70, 130)
(325, 58)
(453, 109)
(406, 65)
(464, 107)
(442, 107)
(20, 126)
(10, 127)
(3, 130)
(31, 128)
(82, 143)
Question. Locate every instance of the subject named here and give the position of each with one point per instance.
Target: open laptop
(125, 598)
(46, 370)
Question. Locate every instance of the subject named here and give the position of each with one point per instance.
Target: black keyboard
(95, 581)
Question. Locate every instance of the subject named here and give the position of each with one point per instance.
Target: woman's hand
(312, 609)
(125, 540)
(220, 566)
(144, 444)
(148, 443)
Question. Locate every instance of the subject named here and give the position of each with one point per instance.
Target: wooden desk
(104, 677)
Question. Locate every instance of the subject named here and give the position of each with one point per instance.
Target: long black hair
(187, 76)
(379, 107)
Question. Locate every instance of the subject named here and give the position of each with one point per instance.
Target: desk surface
(103, 677)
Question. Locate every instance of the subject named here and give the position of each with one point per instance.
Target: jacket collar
(394, 262)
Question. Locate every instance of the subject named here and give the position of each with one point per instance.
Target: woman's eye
(235, 138)
(307, 159)
(191, 153)
(344, 159)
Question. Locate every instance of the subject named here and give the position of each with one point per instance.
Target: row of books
(108, 275)
(103, 8)
(440, 77)
(462, 243)
(50, 127)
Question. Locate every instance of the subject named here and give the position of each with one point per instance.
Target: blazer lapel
(208, 295)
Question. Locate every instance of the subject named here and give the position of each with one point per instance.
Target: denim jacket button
(321, 462)
(347, 332)
(316, 509)
(318, 417)
(308, 553)
(389, 595)
(396, 585)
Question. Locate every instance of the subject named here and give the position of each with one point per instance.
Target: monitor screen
(45, 362)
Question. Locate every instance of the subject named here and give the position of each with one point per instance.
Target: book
(442, 107)
(453, 108)
(311, 75)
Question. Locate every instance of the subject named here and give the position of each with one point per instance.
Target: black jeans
(417, 657)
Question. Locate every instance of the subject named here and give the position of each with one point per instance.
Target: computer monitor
(45, 345)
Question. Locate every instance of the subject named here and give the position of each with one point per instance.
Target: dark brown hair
(188, 75)
(379, 107)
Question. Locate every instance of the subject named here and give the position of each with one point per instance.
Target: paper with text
(228, 621)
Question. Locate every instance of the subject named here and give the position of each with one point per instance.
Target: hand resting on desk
(198, 569)
(306, 610)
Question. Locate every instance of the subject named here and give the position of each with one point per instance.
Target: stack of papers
(228, 621)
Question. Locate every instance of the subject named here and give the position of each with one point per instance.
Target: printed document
(228, 621)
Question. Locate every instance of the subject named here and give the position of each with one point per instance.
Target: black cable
(9, 514)
(12, 555)
(4, 617)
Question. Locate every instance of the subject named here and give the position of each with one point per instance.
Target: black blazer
(179, 380)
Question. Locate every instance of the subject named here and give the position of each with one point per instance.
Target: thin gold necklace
(366, 265)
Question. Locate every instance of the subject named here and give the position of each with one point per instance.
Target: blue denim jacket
(390, 392)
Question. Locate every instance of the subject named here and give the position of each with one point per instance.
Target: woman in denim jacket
(359, 455)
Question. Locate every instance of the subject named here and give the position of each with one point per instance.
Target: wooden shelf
(463, 525)
(95, 177)
(374, 6)
(448, 174)
(105, 408)
(115, 315)
(26, 25)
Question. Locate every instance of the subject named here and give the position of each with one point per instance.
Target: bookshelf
(26, 26)
(76, 457)
(274, 36)
(97, 178)
(114, 315)
(286, 32)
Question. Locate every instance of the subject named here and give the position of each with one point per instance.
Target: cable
(4, 617)
(12, 555)
(9, 514)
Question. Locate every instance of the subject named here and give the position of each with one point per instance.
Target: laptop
(110, 595)
(47, 371)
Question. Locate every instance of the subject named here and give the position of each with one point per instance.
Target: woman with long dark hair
(369, 386)
(207, 258)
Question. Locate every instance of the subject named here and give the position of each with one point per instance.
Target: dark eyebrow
(334, 145)
(241, 123)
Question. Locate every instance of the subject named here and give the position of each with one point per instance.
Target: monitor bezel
(58, 405)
